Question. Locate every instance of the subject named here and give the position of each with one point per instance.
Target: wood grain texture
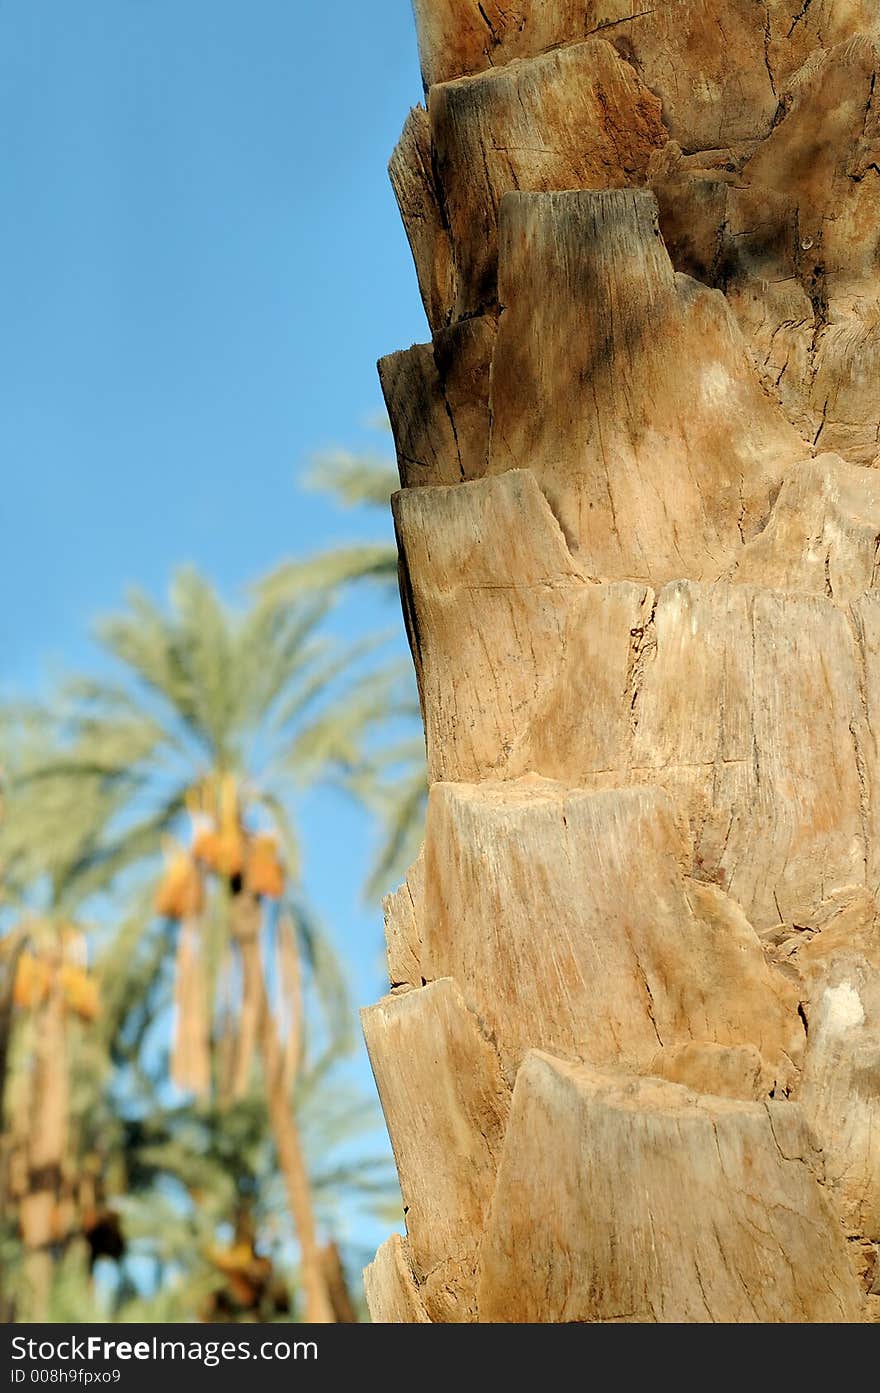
(631, 1059)
(392, 1294)
(628, 392)
(404, 913)
(657, 1204)
(839, 964)
(446, 1111)
(716, 64)
(437, 397)
(577, 118)
(411, 170)
(569, 921)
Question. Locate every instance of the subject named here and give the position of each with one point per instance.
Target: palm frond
(330, 570)
(354, 479)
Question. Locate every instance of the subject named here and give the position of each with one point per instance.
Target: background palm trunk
(636, 973)
(318, 1307)
(191, 1050)
(39, 1208)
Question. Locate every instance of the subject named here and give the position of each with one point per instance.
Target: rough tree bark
(630, 1059)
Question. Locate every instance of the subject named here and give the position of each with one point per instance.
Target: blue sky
(201, 260)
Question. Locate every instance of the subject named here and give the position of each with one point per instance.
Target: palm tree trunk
(14, 947)
(191, 1050)
(39, 1208)
(337, 1285)
(246, 919)
(636, 974)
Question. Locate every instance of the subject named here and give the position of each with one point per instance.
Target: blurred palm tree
(354, 481)
(222, 1157)
(54, 1160)
(189, 750)
(394, 784)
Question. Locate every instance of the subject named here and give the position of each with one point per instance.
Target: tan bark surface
(392, 1294)
(655, 1203)
(631, 1059)
(446, 1134)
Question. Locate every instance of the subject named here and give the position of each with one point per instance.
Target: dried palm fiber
(191, 1051)
(225, 1029)
(246, 919)
(264, 873)
(290, 1013)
